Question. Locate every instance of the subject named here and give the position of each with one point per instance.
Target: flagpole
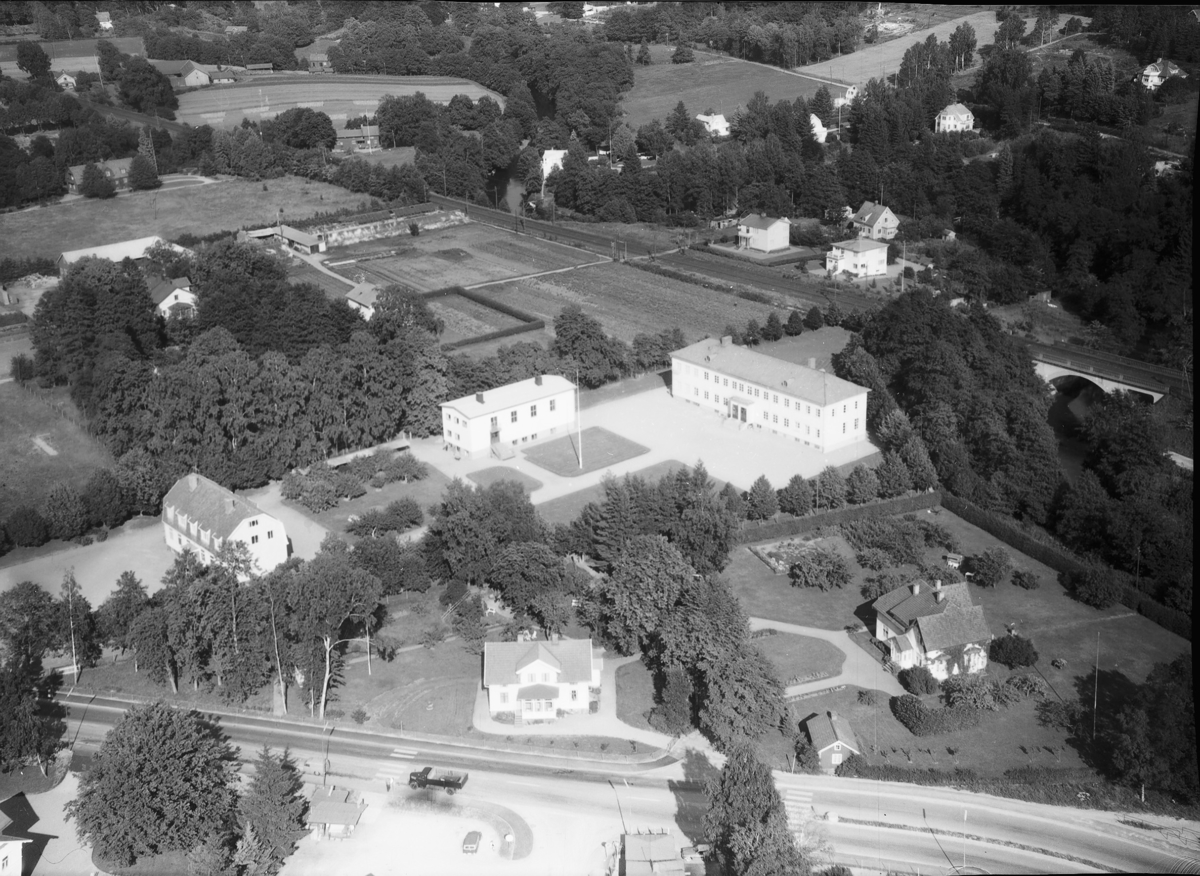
(579, 419)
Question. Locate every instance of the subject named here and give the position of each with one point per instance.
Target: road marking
(797, 805)
(404, 753)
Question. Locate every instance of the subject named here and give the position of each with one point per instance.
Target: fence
(752, 532)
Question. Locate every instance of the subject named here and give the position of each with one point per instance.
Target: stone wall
(392, 227)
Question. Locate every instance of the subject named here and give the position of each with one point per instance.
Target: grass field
(465, 318)
(629, 302)
(339, 97)
(389, 157)
(635, 694)
(459, 255)
(793, 656)
(601, 448)
(302, 272)
(711, 82)
(485, 477)
(39, 448)
(228, 204)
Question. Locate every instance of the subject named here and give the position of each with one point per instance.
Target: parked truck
(431, 777)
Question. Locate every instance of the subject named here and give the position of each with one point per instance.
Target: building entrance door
(743, 414)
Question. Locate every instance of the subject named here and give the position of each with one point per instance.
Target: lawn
(230, 204)
(765, 594)
(458, 255)
(485, 477)
(302, 272)
(629, 302)
(566, 508)
(396, 157)
(39, 447)
(800, 657)
(635, 694)
(600, 449)
(712, 82)
(425, 492)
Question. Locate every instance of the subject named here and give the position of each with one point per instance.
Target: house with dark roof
(808, 404)
(174, 298)
(537, 680)
(1154, 75)
(202, 516)
(64, 79)
(762, 233)
(831, 737)
(12, 848)
(934, 626)
(116, 169)
(875, 221)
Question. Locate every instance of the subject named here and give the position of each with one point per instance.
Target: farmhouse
(364, 139)
(495, 421)
(859, 258)
(875, 221)
(174, 298)
(115, 252)
(222, 77)
(1159, 72)
(832, 738)
(763, 392)
(202, 516)
(933, 626)
(535, 680)
(64, 79)
(954, 118)
(762, 233)
(714, 124)
(116, 169)
(301, 241)
(331, 815)
(104, 20)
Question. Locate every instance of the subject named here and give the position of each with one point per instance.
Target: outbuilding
(832, 737)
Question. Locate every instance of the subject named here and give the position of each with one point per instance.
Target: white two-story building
(509, 416)
(812, 406)
(200, 514)
(538, 679)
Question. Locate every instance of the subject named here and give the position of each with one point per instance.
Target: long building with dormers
(810, 405)
(201, 515)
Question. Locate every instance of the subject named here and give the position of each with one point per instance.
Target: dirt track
(338, 96)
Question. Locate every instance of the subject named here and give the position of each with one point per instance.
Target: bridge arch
(1051, 372)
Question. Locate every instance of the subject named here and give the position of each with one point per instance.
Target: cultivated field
(227, 204)
(883, 59)
(714, 82)
(629, 302)
(39, 448)
(339, 97)
(460, 255)
(464, 318)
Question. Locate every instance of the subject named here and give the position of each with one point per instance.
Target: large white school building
(815, 407)
(509, 417)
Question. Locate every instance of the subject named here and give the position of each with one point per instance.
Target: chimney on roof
(193, 481)
(937, 585)
(479, 397)
(726, 340)
(812, 362)
(939, 596)
(916, 587)
(537, 381)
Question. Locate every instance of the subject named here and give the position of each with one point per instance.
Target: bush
(401, 515)
(359, 715)
(872, 558)
(1026, 580)
(822, 568)
(918, 680)
(991, 567)
(901, 540)
(433, 636)
(978, 692)
(936, 534)
(923, 721)
(27, 528)
(1095, 587)
(1013, 651)
(868, 698)
(1028, 686)
(414, 229)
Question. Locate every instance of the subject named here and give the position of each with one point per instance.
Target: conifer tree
(272, 809)
(761, 503)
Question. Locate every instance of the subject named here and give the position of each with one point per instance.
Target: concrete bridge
(1110, 373)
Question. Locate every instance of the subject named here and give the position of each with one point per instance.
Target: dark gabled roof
(826, 729)
(957, 626)
(906, 606)
(870, 213)
(163, 288)
(760, 221)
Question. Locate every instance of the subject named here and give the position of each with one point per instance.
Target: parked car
(471, 842)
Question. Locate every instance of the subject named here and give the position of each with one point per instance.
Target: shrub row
(801, 525)
(14, 269)
(924, 721)
(1061, 560)
(15, 318)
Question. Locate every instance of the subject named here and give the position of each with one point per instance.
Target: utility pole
(71, 622)
(579, 419)
(1096, 687)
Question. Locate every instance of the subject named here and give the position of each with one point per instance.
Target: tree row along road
(732, 272)
(906, 813)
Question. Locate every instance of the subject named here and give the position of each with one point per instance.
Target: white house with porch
(934, 626)
(762, 233)
(535, 680)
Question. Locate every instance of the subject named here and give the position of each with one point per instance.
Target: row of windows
(772, 397)
(504, 700)
(496, 420)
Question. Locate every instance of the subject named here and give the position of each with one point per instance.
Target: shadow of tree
(691, 802)
(1111, 692)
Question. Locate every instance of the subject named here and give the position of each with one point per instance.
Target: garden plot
(464, 318)
(629, 302)
(460, 255)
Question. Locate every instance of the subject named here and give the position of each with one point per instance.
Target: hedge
(1061, 560)
(801, 525)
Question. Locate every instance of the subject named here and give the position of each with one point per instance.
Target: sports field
(714, 82)
(339, 97)
(226, 204)
(629, 302)
(460, 255)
